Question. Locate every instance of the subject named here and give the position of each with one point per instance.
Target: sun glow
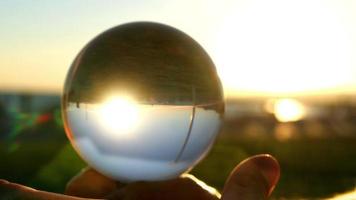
(119, 114)
(288, 110)
(284, 47)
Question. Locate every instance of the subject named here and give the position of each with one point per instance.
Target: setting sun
(119, 114)
(288, 110)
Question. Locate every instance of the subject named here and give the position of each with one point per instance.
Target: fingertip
(269, 168)
(90, 183)
(253, 178)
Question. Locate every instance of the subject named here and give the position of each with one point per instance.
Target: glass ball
(142, 101)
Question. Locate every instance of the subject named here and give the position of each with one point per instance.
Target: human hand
(253, 178)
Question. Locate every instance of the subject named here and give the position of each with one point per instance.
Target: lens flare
(289, 110)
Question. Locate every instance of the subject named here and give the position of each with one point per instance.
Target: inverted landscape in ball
(142, 101)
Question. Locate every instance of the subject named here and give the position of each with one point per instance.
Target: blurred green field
(310, 168)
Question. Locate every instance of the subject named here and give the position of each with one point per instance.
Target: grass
(310, 168)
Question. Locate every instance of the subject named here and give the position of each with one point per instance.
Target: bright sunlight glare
(288, 110)
(282, 47)
(119, 114)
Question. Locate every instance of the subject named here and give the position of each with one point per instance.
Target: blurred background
(288, 69)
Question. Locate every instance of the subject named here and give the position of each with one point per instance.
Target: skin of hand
(253, 178)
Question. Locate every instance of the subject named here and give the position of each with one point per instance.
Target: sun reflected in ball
(119, 114)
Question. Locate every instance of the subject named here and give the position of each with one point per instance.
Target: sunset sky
(275, 47)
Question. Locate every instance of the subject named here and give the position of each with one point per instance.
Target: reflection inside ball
(118, 114)
(142, 101)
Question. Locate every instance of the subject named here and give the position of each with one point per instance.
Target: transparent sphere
(142, 101)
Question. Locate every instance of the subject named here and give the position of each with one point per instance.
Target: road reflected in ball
(142, 101)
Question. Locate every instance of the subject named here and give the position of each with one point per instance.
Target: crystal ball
(142, 101)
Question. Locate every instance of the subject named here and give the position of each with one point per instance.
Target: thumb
(253, 178)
